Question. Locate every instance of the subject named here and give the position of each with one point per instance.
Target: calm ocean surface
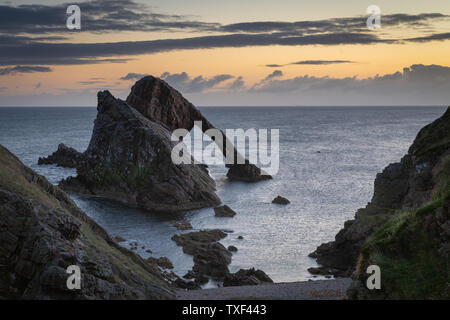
(325, 188)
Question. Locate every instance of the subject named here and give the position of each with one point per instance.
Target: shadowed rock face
(129, 159)
(42, 232)
(158, 101)
(402, 186)
(65, 156)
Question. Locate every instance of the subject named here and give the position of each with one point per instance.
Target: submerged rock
(158, 101)
(232, 249)
(280, 200)
(182, 225)
(43, 232)
(64, 157)
(248, 277)
(224, 211)
(129, 159)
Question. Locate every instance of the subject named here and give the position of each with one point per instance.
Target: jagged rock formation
(159, 102)
(64, 157)
(42, 232)
(210, 257)
(399, 220)
(129, 159)
(243, 277)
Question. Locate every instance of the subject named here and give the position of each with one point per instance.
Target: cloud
(73, 52)
(433, 37)
(309, 62)
(23, 69)
(237, 85)
(133, 76)
(90, 82)
(274, 65)
(97, 16)
(351, 24)
(417, 84)
(322, 62)
(20, 26)
(273, 75)
(183, 82)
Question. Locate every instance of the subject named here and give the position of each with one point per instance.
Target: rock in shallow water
(224, 211)
(65, 156)
(280, 200)
(248, 277)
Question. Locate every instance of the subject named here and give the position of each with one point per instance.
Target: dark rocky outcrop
(280, 200)
(212, 260)
(250, 277)
(192, 241)
(210, 257)
(43, 232)
(119, 239)
(64, 157)
(162, 262)
(405, 219)
(159, 102)
(232, 249)
(129, 159)
(224, 211)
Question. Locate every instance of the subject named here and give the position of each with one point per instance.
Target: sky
(228, 53)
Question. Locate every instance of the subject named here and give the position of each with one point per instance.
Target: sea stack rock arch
(161, 103)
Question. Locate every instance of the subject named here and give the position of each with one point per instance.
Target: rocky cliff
(159, 102)
(406, 219)
(129, 159)
(42, 233)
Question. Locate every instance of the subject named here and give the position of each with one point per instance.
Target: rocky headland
(43, 232)
(405, 229)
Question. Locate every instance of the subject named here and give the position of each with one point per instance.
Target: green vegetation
(443, 178)
(434, 137)
(407, 254)
(137, 178)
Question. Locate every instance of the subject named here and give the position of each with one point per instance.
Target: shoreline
(332, 289)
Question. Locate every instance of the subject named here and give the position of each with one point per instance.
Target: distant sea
(329, 157)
